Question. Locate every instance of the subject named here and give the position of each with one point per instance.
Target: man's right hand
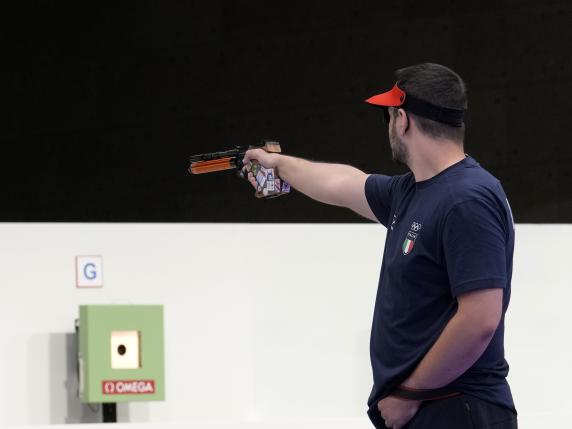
(266, 159)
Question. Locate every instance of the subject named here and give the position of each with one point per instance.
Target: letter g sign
(89, 271)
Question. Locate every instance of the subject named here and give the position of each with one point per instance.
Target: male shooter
(437, 336)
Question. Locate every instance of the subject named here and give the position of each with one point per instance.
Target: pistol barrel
(200, 167)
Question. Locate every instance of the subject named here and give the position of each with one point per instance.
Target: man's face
(399, 151)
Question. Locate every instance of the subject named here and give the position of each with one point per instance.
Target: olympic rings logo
(415, 226)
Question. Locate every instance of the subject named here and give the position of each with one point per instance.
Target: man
(437, 337)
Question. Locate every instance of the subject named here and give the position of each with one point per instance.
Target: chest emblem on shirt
(411, 237)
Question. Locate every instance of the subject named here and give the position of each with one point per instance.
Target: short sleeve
(378, 194)
(474, 247)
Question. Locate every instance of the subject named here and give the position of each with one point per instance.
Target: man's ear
(403, 121)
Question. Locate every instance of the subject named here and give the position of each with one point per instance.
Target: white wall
(263, 323)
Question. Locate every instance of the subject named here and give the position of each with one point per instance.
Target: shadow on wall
(65, 406)
(53, 383)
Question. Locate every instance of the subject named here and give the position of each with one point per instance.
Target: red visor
(395, 97)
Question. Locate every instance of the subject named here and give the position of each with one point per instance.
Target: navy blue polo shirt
(447, 235)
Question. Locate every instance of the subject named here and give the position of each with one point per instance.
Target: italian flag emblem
(409, 242)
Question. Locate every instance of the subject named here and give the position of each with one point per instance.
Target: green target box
(121, 353)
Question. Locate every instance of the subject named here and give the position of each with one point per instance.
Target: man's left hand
(397, 412)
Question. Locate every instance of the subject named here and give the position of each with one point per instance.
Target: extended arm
(334, 184)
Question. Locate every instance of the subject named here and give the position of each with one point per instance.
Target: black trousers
(458, 412)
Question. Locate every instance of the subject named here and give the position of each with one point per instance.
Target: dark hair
(440, 86)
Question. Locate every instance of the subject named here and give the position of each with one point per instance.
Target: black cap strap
(445, 115)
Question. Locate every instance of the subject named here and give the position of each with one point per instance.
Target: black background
(104, 102)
